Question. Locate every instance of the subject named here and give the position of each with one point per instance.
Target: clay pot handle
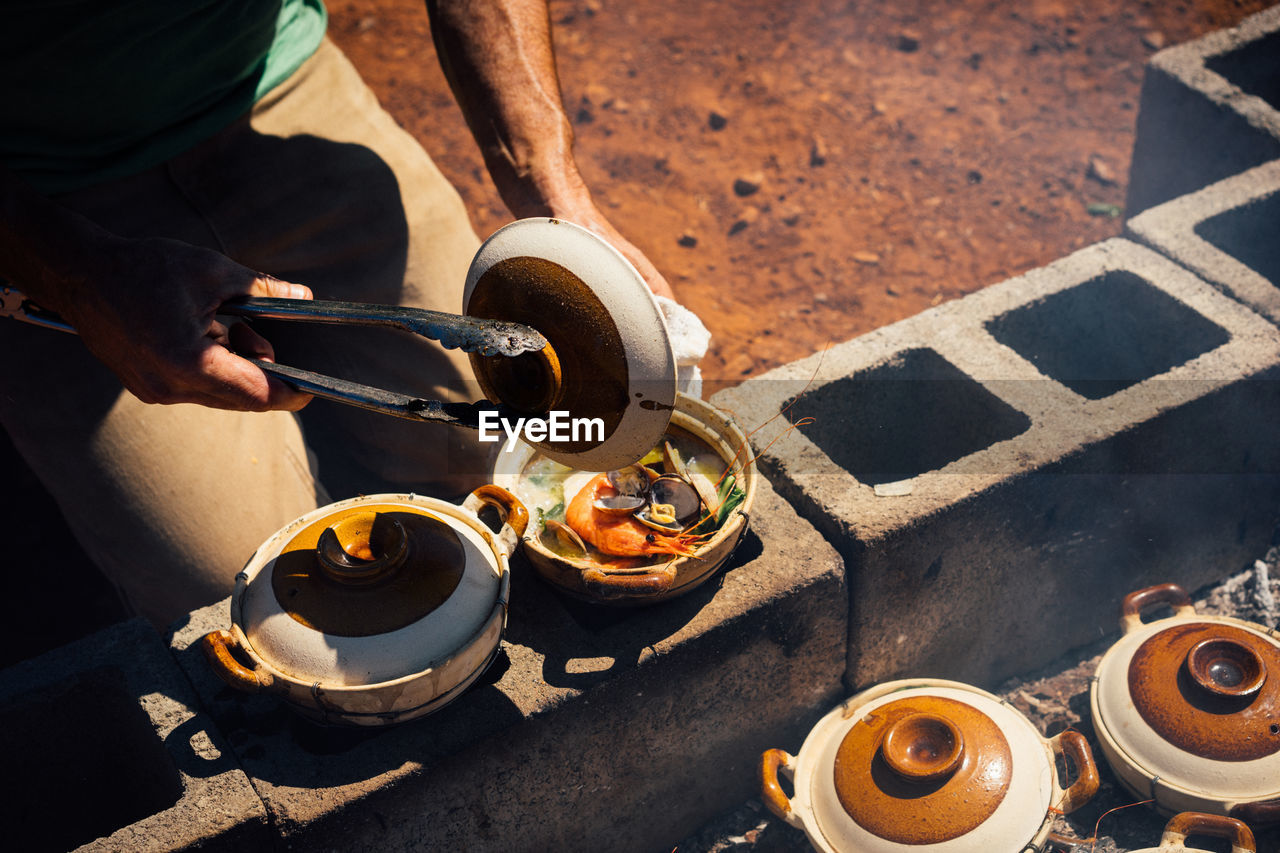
(1073, 745)
(771, 791)
(513, 513)
(1165, 593)
(217, 646)
(605, 586)
(1259, 812)
(1211, 825)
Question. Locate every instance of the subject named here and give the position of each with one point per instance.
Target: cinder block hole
(1255, 68)
(1248, 233)
(915, 413)
(1106, 334)
(80, 761)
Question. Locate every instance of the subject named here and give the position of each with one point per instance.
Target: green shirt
(94, 90)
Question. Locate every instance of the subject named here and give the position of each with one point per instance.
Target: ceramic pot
(373, 610)
(611, 357)
(1187, 824)
(926, 766)
(646, 585)
(1187, 709)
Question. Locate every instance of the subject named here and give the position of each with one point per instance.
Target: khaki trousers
(318, 185)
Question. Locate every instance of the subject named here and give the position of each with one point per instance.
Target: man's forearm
(498, 58)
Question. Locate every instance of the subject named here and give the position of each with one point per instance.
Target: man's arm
(145, 308)
(498, 58)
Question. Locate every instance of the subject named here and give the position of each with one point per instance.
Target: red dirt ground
(903, 154)
(906, 153)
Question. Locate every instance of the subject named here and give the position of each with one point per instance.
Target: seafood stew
(664, 506)
(684, 552)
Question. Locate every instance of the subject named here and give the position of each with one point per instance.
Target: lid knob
(362, 547)
(1226, 667)
(923, 747)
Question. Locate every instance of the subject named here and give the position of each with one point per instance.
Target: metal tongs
(452, 331)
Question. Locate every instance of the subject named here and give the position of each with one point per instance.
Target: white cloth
(689, 342)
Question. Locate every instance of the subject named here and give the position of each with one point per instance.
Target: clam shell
(679, 494)
(619, 504)
(561, 539)
(632, 480)
(646, 518)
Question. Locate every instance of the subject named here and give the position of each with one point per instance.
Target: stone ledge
(104, 748)
(595, 729)
(1209, 109)
(1227, 234)
(1063, 491)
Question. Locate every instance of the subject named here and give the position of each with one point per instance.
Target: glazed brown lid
(922, 770)
(609, 361)
(1210, 689)
(590, 377)
(368, 570)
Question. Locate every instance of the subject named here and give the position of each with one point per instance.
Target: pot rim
(245, 646)
(825, 735)
(1126, 750)
(496, 559)
(733, 526)
(633, 309)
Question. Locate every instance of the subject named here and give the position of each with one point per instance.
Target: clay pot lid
(367, 569)
(1192, 701)
(369, 590)
(1210, 689)
(611, 354)
(923, 769)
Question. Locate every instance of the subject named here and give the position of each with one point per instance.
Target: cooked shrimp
(622, 536)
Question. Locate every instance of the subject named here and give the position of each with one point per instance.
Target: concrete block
(596, 729)
(999, 470)
(1227, 233)
(1209, 109)
(104, 750)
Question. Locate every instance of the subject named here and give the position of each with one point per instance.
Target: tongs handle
(452, 331)
(470, 334)
(378, 400)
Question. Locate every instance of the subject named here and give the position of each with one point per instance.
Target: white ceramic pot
(650, 584)
(1187, 709)
(926, 766)
(1187, 824)
(612, 357)
(373, 610)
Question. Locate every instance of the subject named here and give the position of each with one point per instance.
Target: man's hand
(589, 216)
(149, 315)
(497, 56)
(145, 308)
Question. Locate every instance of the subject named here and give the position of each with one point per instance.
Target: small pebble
(745, 186)
(717, 121)
(817, 152)
(687, 240)
(1100, 171)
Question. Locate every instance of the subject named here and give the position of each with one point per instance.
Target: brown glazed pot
(373, 610)
(1187, 824)
(1187, 709)
(926, 766)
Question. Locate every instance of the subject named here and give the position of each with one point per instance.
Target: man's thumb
(265, 285)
